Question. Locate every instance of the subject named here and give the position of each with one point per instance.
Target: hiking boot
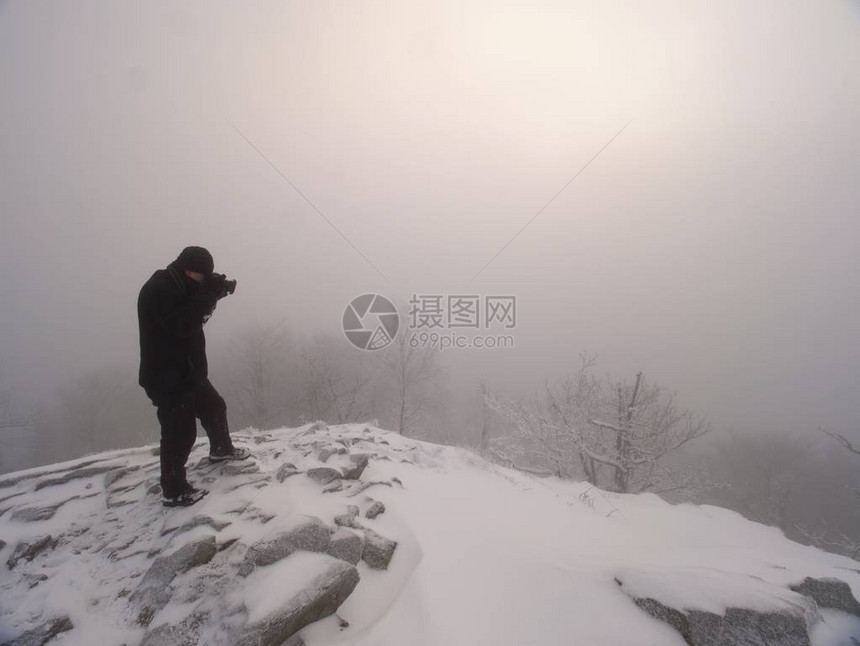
(185, 499)
(233, 453)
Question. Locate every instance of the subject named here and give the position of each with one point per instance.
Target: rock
(331, 487)
(197, 521)
(2, 544)
(30, 550)
(186, 633)
(153, 592)
(326, 452)
(8, 482)
(42, 634)
(829, 593)
(739, 626)
(286, 470)
(358, 463)
(346, 545)
(35, 579)
(323, 475)
(378, 550)
(317, 600)
(375, 509)
(349, 518)
(318, 425)
(240, 468)
(115, 474)
(74, 474)
(35, 514)
(311, 535)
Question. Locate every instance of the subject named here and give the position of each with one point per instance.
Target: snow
(486, 555)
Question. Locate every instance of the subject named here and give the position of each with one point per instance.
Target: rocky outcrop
(185, 633)
(829, 593)
(737, 627)
(311, 535)
(28, 550)
(42, 634)
(86, 472)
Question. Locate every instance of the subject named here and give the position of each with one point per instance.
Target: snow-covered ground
(485, 555)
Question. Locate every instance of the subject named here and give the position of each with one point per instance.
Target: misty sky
(713, 244)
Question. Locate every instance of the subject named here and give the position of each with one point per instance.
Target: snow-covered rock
(465, 553)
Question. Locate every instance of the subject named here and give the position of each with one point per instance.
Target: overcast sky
(713, 244)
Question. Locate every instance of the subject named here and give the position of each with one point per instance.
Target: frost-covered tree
(617, 435)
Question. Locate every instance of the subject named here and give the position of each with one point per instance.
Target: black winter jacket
(171, 311)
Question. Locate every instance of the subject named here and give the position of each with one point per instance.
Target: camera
(229, 286)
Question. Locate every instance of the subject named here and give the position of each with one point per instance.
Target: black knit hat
(196, 259)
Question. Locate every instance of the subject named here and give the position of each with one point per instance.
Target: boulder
(375, 510)
(323, 475)
(28, 550)
(153, 593)
(346, 545)
(829, 593)
(318, 599)
(378, 550)
(737, 627)
(357, 464)
(311, 535)
(42, 634)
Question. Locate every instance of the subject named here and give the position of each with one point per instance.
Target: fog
(322, 150)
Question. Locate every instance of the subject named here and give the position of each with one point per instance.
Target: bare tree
(413, 373)
(336, 381)
(259, 383)
(616, 435)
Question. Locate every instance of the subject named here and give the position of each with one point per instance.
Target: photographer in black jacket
(172, 308)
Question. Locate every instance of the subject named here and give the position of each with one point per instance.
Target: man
(172, 308)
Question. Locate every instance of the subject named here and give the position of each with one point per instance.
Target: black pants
(178, 416)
